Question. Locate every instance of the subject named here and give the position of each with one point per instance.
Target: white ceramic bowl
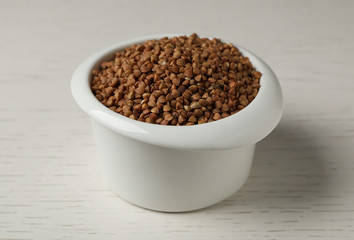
(177, 168)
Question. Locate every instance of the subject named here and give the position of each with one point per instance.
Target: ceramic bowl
(177, 168)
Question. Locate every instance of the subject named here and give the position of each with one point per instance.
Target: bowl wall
(166, 179)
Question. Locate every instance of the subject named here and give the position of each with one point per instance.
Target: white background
(301, 184)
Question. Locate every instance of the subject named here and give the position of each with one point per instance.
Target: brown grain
(178, 81)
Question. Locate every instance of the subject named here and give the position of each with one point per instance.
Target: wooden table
(301, 184)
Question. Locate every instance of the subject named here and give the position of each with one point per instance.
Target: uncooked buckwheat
(177, 81)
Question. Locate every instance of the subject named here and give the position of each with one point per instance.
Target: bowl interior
(246, 127)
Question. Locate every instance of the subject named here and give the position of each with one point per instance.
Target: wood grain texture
(301, 184)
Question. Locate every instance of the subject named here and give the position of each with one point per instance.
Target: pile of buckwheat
(177, 81)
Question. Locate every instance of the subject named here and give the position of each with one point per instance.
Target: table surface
(301, 183)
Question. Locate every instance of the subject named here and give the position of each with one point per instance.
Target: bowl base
(170, 180)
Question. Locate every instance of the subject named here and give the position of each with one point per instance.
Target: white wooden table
(302, 182)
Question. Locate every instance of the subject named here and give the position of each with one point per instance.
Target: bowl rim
(260, 117)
